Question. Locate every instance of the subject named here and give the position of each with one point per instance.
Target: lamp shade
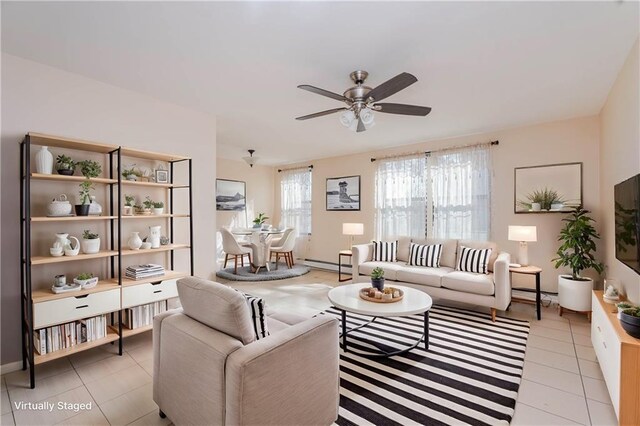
(352, 229)
(523, 233)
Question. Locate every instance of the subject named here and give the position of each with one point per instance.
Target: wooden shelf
(40, 296)
(70, 218)
(43, 260)
(70, 143)
(151, 184)
(168, 247)
(127, 332)
(152, 216)
(168, 275)
(112, 336)
(149, 155)
(71, 179)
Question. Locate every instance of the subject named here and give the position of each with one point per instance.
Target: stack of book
(141, 316)
(140, 272)
(63, 336)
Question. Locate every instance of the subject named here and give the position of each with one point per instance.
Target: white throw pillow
(425, 255)
(385, 251)
(473, 260)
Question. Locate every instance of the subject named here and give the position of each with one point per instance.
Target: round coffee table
(347, 299)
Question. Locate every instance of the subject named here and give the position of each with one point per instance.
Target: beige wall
(619, 160)
(260, 189)
(558, 142)
(44, 99)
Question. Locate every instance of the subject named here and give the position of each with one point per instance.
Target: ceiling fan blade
(392, 86)
(322, 92)
(403, 109)
(361, 127)
(320, 114)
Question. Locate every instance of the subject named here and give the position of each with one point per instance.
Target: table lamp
(352, 229)
(523, 234)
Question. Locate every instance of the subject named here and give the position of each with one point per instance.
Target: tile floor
(562, 382)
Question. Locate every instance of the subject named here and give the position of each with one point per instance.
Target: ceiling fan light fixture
(366, 115)
(251, 160)
(348, 118)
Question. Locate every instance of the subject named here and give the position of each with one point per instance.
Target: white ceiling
(481, 66)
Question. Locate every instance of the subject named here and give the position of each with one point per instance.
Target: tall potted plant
(90, 169)
(577, 253)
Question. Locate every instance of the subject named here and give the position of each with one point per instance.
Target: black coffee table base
(381, 353)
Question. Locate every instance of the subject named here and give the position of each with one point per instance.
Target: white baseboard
(10, 367)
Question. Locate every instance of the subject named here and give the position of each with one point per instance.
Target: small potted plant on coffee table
(90, 242)
(377, 278)
(65, 165)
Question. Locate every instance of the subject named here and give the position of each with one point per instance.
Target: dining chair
(285, 248)
(231, 247)
(277, 241)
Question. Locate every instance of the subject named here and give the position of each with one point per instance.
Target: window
(446, 194)
(295, 200)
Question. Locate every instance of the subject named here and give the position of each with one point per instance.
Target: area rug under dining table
(470, 375)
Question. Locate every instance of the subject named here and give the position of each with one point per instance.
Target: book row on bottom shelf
(141, 316)
(63, 336)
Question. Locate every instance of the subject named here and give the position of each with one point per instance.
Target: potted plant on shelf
(65, 165)
(86, 280)
(542, 200)
(90, 169)
(148, 205)
(377, 278)
(131, 173)
(158, 207)
(260, 220)
(577, 252)
(630, 321)
(129, 204)
(90, 242)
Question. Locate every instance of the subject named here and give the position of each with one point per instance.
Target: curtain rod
(435, 150)
(296, 168)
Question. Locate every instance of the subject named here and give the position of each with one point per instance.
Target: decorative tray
(369, 294)
(67, 288)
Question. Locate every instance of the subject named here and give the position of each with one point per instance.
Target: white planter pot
(158, 211)
(44, 161)
(91, 246)
(575, 295)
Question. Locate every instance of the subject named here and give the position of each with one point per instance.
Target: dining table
(259, 242)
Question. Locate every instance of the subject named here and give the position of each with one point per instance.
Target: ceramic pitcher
(154, 236)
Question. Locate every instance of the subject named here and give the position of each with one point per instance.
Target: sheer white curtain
(401, 197)
(295, 196)
(461, 193)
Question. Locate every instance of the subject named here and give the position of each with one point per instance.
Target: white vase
(135, 241)
(575, 295)
(44, 161)
(91, 246)
(154, 236)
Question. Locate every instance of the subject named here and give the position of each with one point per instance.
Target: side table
(529, 270)
(346, 253)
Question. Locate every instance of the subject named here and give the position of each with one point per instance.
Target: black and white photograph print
(162, 176)
(343, 193)
(230, 195)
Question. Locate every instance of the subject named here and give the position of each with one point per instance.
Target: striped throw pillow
(258, 316)
(473, 260)
(385, 251)
(423, 255)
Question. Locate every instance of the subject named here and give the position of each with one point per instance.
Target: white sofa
(492, 290)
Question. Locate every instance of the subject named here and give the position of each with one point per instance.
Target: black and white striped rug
(470, 375)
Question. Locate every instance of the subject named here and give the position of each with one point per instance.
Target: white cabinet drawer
(608, 350)
(75, 307)
(147, 293)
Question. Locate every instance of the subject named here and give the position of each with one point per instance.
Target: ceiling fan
(362, 101)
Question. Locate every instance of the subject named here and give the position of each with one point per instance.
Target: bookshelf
(114, 293)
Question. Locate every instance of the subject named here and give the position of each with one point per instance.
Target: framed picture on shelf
(162, 176)
(343, 193)
(230, 195)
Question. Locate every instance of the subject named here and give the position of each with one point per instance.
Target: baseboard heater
(329, 266)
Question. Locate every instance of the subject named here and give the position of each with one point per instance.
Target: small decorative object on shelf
(162, 176)
(131, 173)
(60, 280)
(377, 278)
(623, 306)
(630, 321)
(135, 241)
(59, 206)
(388, 295)
(44, 161)
(95, 209)
(86, 280)
(158, 207)
(145, 245)
(65, 165)
(610, 294)
(62, 239)
(148, 205)
(129, 204)
(71, 249)
(90, 242)
(164, 241)
(90, 169)
(154, 236)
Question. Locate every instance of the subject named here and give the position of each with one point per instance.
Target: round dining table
(260, 243)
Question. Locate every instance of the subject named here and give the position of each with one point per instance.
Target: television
(627, 222)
